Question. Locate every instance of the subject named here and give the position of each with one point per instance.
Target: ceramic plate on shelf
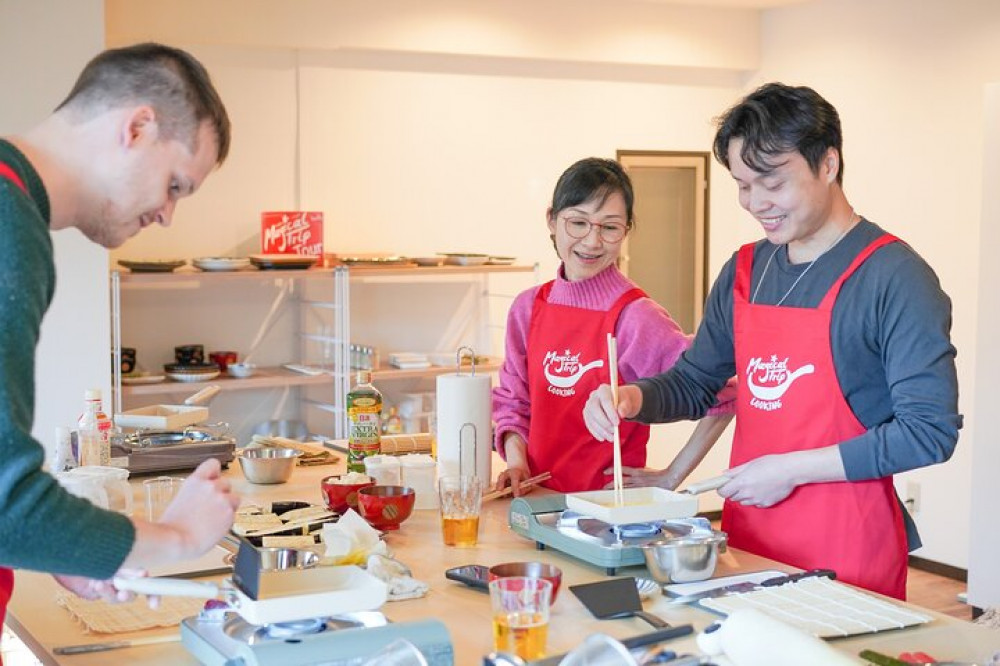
(164, 266)
(282, 261)
(221, 263)
(464, 258)
(376, 260)
(143, 378)
(427, 261)
(500, 261)
(193, 376)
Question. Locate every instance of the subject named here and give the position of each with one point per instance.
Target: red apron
(789, 399)
(6, 575)
(567, 359)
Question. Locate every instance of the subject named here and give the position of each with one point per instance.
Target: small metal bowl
(684, 559)
(268, 465)
(279, 559)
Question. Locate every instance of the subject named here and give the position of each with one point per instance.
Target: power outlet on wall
(912, 499)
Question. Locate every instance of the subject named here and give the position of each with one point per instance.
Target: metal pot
(684, 559)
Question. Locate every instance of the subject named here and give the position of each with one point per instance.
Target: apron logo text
(564, 370)
(769, 380)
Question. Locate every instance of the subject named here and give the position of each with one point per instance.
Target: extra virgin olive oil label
(364, 415)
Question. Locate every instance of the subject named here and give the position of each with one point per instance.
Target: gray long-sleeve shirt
(892, 351)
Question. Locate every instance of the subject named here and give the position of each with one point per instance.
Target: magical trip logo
(564, 370)
(768, 380)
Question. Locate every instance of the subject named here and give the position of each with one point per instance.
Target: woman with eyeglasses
(556, 348)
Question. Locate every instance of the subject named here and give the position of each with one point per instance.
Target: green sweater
(42, 527)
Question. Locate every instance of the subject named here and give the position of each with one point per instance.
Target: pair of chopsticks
(613, 367)
(527, 483)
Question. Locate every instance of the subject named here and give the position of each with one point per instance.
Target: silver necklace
(753, 299)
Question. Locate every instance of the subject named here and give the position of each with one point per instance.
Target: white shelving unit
(396, 308)
(272, 317)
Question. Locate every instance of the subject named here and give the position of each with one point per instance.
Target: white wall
(45, 44)
(431, 129)
(908, 81)
(984, 575)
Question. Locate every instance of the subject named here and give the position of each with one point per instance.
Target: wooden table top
(35, 618)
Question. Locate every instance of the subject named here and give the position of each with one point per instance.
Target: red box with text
(291, 232)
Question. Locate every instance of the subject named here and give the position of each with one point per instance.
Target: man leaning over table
(142, 127)
(839, 334)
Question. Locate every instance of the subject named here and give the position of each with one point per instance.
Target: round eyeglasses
(610, 232)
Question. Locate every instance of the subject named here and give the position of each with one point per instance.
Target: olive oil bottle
(364, 421)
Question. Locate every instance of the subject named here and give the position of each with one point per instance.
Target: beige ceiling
(744, 4)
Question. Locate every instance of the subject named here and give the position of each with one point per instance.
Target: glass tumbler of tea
(460, 498)
(521, 615)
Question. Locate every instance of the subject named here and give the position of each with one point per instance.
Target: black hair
(776, 119)
(592, 178)
(170, 80)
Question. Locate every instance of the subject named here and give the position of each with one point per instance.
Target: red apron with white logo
(567, 359)
(6, 575)
(789, 399)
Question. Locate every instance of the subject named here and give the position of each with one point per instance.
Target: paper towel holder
(475, 448)
(458, 361)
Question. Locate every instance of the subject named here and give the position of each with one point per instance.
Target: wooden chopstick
(527, 483)
(613, 368)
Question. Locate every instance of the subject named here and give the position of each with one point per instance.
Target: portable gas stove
(547, 522)
(347, 639)
(293, 616)
(165, 450)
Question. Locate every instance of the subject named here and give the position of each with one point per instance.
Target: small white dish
(221, 263)
(241, 370)
(465, 259)
(500, 261)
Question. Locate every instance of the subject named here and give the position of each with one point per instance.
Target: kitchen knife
(741, 588)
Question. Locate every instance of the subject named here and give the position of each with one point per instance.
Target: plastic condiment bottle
(94, 431)
(418, 471)
(384, 469)
(364, 421)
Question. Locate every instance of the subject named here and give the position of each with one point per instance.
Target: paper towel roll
(464, 431)
(752, 638)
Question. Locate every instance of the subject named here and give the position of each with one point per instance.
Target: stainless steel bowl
(268, 465)
(278, 559)
(684, 559)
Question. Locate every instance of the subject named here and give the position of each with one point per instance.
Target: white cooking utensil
(705, 486)
(613, 368)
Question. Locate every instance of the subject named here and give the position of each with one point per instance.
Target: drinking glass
(460, 498)
(521, 615)
(159, 493)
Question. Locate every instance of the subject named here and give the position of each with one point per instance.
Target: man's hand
(599, 413)
(203, 509)
(763, 482)
(89, 588)
(770, 479)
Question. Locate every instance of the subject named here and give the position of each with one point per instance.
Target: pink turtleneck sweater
(649, 342)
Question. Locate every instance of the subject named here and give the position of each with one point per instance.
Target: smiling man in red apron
(839, 335)
(142, 128)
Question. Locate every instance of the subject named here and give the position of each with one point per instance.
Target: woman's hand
(641, 477)
(514, 477)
